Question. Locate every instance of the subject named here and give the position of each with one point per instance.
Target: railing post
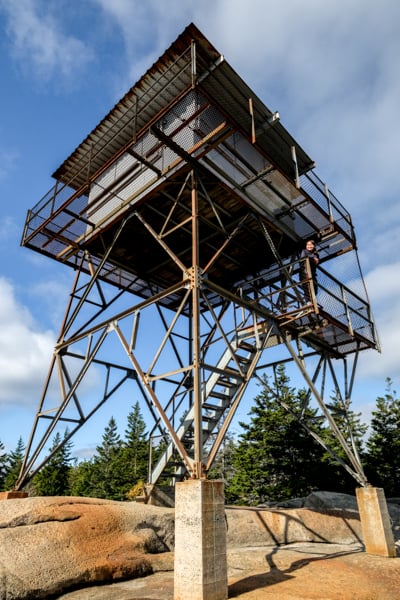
(348, 316)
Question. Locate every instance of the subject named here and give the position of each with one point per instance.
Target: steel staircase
(225, 384)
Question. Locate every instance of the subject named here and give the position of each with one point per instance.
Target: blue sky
(330, 67)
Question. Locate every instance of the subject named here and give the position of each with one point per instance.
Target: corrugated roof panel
(169, 77)
(233, 94)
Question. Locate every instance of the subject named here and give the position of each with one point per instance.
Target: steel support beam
(212, 356)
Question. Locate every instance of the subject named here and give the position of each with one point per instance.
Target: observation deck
(259, 198)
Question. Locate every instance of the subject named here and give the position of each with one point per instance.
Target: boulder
(288, 503)
(328, 500)
(252, 527)
(49, 545)
(332, 500)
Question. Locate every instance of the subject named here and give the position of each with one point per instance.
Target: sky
(331, 69)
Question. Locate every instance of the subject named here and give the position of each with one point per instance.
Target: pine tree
(276, 458)
(3, 465)
(105, 469)
(15, 459)
(223, 467)
(135, 454)
(383, 445)
(53, 478)
(81, 478)
(118, 465)
(353, 431)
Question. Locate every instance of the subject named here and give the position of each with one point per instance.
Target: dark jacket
(313, 259)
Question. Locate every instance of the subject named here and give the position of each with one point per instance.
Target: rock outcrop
(51, 545)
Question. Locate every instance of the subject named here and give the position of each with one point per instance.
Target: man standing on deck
(309, 252)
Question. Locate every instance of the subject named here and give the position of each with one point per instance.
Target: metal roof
(169, 77)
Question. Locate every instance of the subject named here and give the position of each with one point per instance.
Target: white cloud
(25, 351)
(332, 73)
(52, 296)
(38, 42)
(383, 286)
(147, 28)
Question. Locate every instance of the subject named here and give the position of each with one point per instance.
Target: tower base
(12, 495)
(200, 571)
(375, 522)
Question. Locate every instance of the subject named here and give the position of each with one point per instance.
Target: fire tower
(182, 214)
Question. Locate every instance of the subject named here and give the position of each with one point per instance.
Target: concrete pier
(200, 570)
(375, 522)
(12, 495)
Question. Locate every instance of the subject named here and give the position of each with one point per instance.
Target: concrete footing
(375, 522)
(200, 570)
(11, 495)
(160, 496)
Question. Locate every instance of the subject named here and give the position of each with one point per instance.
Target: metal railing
(289, 296)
